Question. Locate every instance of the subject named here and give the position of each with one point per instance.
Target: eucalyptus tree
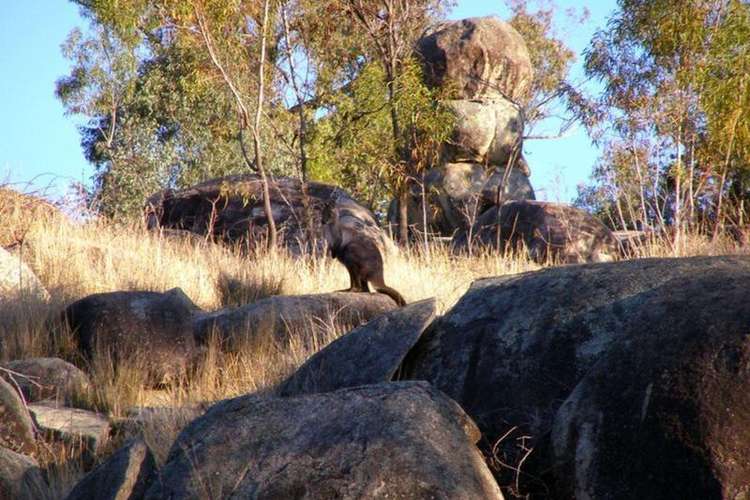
(675, 79)
(156, 112)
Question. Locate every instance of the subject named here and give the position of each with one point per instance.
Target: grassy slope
(75, 260)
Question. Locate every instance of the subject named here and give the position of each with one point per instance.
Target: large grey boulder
(16, 427)
(638, 369)
(458, 193)
(393, 440)
(20, 477)
(231, 209)
(369, 354)
(44, 378)
(152, 328)
(483, 64)
(86, 430)
(549, 232)
(479, 57)
(17, 279)
(485, 132)
(665, 414)
(124, 476)
(464, 182)
(283, 317)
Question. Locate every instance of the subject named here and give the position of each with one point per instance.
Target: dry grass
(75, 260)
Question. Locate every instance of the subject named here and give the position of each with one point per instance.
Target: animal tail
(392, 294)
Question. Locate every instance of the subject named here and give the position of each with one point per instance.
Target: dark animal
(359, 254)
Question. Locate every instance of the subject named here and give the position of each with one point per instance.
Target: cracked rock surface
(391, 440)
(628, 379)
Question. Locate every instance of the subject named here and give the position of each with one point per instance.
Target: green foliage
(158, 115)
(726, 100)
(551, 90)
(153, 82)
(353, 144)
(675, 77)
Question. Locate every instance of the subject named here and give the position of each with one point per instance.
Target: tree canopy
(676, 96)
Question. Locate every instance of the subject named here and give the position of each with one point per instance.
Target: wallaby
(359, 254)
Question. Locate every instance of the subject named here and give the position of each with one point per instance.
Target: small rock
(17, 279)
(16, 427)
(48, 378)
(124, 476)
(71, 425)
(368, 354)
(20, 477)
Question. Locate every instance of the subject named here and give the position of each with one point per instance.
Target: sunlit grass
(74, 260)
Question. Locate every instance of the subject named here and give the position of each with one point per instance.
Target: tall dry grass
(74, 260)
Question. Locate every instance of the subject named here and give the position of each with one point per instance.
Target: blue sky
(39, 144)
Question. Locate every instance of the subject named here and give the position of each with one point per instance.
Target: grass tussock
(74, 260)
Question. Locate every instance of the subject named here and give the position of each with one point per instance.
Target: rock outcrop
(483, 64)
(124, 476)
(282, 317)
(549, 232)
(676, 398)
(16, 427)
(369, 354)
(231, 209)
(20, 477)
(45, 378)
(629, 379)
(393, 440)
(86, 431)
(152, 328)
(477, 58)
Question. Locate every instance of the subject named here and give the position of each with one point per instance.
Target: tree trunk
(717, 224)
(403, 216)
(242, 109)
(677, 222)
(256, 134)
(424, 218)
(308, 216)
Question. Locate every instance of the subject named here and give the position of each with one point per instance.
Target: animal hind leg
(356, 282)
(352, 262)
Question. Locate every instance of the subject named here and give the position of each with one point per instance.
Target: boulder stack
(626, 379)
(230, 209)
(482, 64)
